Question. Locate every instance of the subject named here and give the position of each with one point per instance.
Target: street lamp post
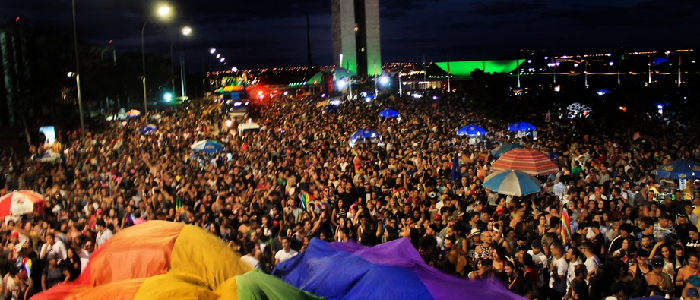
(164, 12)
(77, 69)
(186, 31)
(143, 65)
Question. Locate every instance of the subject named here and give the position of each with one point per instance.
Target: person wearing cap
(25, 288)
(103, 233)
(658, 277)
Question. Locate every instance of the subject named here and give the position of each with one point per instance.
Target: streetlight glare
(222, 59)
(212, 50)
(71, 74)
(187, 31)
(164, 11)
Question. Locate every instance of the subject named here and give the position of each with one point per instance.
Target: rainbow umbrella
(529, 161)
(393, 270)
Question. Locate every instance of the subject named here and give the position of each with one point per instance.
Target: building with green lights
(356, 42)
(465, 68)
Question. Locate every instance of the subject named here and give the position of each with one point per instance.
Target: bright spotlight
(222, 59)
(342, 83)
(168, 97)
(384, 80)
(212, 50)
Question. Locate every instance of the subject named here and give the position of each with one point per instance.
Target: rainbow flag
(305, 199)
(565, 227)
(320, 203)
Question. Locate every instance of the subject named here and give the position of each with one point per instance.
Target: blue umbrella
(363, 135)
(207, 146)
(454, 174)
(679, 169)
(471, 130)
(505, 148)
(389, 113)
(521, 126)
(148, 129)
(512, 182)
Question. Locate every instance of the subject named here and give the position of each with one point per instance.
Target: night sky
(269, 33)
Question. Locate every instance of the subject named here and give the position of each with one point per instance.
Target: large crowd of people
(632, 234)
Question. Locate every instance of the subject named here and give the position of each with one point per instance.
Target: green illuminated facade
(465, 68)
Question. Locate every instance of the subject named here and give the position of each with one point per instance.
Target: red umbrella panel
(529, 161)
(20, 203)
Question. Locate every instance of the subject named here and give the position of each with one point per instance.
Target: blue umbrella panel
(364, 136)
(389, 113)
(521, 126)
(471, 130)
(679, 169)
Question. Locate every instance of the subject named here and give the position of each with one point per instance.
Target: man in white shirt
(103, 233)
(53, 247)
(592, 261)
(286, 252)
(85, 254)
(558, 268)
(249, 257)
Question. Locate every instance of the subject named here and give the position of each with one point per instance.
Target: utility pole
(77, 71)
(679, 69)
(449, 87)
(425, 73)
(518, 70)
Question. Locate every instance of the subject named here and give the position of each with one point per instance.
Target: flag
(454, 173)
(320, 203)
(565, 227)
(305, 199)
(178, 203)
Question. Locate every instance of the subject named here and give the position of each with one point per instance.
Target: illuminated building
(356, 43)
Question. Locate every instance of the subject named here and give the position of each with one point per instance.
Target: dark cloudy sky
(263, 33)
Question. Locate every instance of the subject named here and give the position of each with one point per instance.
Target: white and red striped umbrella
(20, 203)
(529, 161)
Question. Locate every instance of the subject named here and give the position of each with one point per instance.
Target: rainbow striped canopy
(393, 270)
(529, 161)
(173, 261)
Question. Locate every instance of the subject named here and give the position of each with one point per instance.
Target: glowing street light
(163, 12)
(218, 55)
(222, 59)
(186, 31)
(212, 50)
(384, 80)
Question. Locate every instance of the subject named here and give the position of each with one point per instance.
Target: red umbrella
(21, 203)
(529, 161)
